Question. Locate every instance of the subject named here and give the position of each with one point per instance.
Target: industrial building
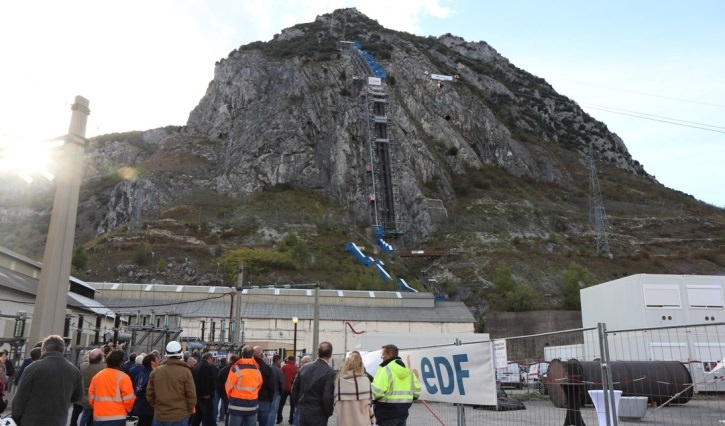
(267, 314)
(150, 314)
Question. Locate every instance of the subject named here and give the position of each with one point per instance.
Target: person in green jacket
(394, 389)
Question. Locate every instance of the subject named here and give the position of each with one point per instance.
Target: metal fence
(657, 376)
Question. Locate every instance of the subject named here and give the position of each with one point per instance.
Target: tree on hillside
(503, 280)
(142, 257)
(516, 297)
(79, 262)
(575, 278)
(296, 249)
(522, 298)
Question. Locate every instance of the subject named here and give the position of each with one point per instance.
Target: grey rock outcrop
(289, 112)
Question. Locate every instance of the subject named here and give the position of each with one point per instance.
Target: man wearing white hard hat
(171, 389)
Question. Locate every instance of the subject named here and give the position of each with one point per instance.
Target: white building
(267, 313)
(645, 300)
(661, 318)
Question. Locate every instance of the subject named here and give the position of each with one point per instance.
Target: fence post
(461, 408)
(607, 385)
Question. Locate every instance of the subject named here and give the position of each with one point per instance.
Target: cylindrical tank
(657, 380)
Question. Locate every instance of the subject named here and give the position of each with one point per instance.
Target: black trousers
(282, 399)
(204, 415)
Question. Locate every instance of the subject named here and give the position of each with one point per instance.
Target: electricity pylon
(597, 214)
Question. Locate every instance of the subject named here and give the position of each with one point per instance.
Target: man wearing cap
(171, 389)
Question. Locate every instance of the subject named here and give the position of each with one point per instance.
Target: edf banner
(457, 374)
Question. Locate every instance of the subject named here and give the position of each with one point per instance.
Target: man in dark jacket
(48, 387)
(313, 389)
(34, 356)
(141, 407)
(278, 381)
(266, 394)
(129, 363)
(205, 381)
(220, 383)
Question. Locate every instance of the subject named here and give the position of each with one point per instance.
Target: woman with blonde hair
(353, 396)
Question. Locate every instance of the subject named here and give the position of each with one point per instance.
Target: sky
(652, 70)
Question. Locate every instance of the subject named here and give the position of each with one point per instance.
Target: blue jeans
(272, 415)
(86, 418)
(182, 422)
(296, 420)
(236, 420)
(263, 412)
(215, 405)
(224, 408)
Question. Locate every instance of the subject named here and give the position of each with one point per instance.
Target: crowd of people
(182, 389)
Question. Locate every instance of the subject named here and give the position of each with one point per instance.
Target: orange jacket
(111, 395)
(242, 386)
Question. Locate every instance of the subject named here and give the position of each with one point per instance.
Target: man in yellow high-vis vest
(394, 389)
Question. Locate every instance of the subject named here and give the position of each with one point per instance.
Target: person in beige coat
(171, 389)
(353, 396)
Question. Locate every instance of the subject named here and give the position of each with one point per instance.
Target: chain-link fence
(658, 376)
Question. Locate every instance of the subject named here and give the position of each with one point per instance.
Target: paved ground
(700, 411)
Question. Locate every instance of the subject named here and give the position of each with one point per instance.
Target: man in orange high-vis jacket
(111, 393)
(242, 387)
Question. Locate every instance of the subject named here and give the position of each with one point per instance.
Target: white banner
(456, 374)
(500, 356)
(441, 77)
(375, 81)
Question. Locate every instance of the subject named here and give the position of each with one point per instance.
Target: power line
(644, 116)
(647, 94)
(655, 116)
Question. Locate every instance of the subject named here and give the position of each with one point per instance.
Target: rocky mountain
(449, 148)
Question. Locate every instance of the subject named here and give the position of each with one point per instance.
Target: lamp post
(238, 305)
(294, 339)
(52, 297)
(316, 320)
(232, 338)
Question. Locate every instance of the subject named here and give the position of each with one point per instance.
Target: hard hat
(7, 421)
(173, 349)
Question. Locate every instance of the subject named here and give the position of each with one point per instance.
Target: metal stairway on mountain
(381, 166)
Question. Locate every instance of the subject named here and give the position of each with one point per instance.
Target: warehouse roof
(201, 302)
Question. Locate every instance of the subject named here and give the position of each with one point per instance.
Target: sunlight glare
(26, 158)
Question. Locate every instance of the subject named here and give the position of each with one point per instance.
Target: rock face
(295, 112)
(289, 112)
